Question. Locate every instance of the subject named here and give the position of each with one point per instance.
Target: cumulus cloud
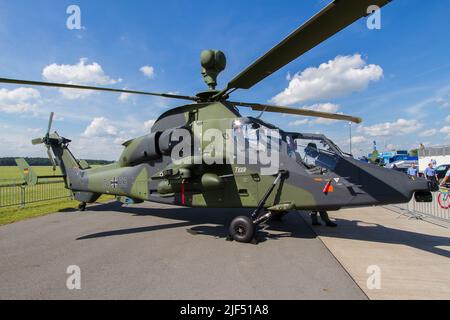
(298, 123)
(120, 131)
(399, 127)
(18, 100)
(100, 127)
(81, 73)
(109, 135)
(358, 140)
(428, 133)
(34, 130)
(148, 125)
(323, 107)
(148, 71)
(124, 96)
(446, 130)
(337, 78)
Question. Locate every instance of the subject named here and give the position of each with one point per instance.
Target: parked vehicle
(402, 166)
(442, 170)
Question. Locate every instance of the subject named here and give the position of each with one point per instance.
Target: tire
(242, 229)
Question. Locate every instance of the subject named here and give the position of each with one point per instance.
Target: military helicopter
(312, 172)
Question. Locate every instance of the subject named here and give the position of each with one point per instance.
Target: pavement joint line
(331, 252)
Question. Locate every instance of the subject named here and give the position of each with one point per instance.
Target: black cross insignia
(114, 183)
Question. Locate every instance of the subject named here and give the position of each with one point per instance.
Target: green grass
(12, 195)
(14, 214)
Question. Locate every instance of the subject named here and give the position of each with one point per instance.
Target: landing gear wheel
(82, 206)
(242, 229)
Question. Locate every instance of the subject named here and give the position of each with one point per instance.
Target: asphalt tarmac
(153, 251)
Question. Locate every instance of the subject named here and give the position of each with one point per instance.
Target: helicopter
(311, 173)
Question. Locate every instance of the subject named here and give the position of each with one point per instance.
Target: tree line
(43, 162)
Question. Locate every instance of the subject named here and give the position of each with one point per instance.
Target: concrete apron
(388, 256)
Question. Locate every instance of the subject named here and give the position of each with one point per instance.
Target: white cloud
(337, 78)
(124, 96)
(447, 119)
(34, 130)
(443, 103)
(358, 140)
(109, 136)
(391, 146)
(18, 100)
(400, 127)
(446, 130)
(323, 107)
(80, 74)
(148, 71)
(100, 127)
(428, 133)
(148, 125)
(298, 123)
(440, 98)
(103, 127)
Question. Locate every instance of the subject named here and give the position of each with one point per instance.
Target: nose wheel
(242, 229)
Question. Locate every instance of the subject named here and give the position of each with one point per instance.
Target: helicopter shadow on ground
(360, 230)
(214, 223)
(203, 222)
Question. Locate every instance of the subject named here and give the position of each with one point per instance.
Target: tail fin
(27, 172)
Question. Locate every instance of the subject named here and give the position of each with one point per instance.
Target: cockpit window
(314, 153)
(255, 136)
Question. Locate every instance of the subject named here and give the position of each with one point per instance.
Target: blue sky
(406, 104)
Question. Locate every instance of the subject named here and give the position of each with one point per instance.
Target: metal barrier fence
(431, 209)
(18, 194)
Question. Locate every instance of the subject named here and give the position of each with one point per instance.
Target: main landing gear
(243, 228)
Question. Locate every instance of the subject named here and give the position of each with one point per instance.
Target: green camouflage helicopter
(311, 172)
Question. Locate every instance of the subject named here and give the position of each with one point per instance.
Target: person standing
(431, 175)
(413, 172)
(325, 218)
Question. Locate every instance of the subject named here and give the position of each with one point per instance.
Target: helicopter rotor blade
(335, 17)
(80, 87)
(37, 141)
(50, 122)
(298, 112)
(51, 158)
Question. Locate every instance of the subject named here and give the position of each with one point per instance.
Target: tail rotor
(47, 141)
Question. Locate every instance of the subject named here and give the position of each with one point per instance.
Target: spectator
(431, 176)
(325, 218)
(413, 172)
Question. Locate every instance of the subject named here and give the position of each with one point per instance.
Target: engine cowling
(141, 150)
(151, 147)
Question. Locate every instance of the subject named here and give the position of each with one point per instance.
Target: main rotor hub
(213, 63)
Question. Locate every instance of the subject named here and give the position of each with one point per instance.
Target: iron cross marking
(114, 182)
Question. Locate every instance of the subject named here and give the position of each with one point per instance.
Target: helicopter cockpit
(314, 152)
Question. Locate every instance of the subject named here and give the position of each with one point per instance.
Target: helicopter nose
(422, 190)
